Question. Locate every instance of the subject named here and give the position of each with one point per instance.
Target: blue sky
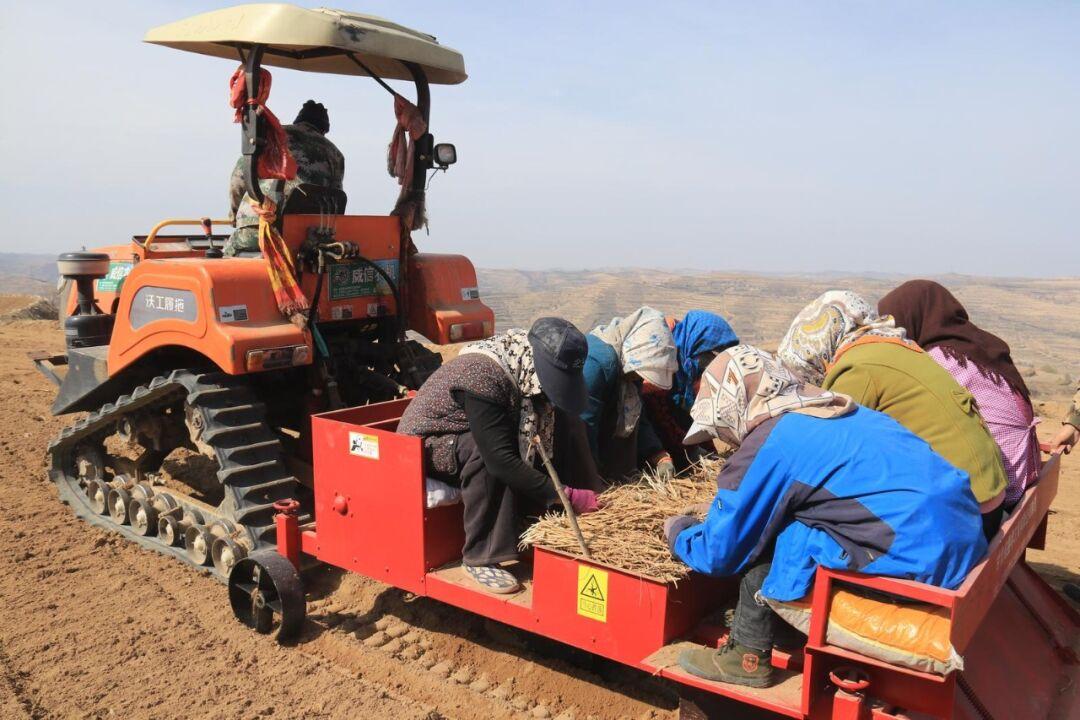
(913, 137)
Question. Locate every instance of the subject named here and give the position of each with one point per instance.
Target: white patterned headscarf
(826, 325)
(744, 386)
(644, 344)
(514, 354)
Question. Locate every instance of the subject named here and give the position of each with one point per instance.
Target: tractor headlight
(445, 155)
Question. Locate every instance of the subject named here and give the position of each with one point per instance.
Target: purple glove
(583, 501)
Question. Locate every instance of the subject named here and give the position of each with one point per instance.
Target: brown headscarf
(933, 317)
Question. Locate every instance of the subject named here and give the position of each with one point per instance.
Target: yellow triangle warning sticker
(592, 592)
(592, 589)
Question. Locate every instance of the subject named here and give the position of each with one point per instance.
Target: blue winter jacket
(858, 492)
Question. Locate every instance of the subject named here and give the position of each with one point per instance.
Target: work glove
(665, 468)
(583, 501)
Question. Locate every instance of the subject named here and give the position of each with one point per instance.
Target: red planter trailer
(1017, 637)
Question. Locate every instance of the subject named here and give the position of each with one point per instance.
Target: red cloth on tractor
(399, 160)
(290, 299)
(275, 160)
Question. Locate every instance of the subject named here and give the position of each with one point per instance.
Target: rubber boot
(733, 663)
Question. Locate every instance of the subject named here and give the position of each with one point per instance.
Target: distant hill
(1037, 317)
(27, 274)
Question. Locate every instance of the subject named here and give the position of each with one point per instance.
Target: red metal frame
(372, 519)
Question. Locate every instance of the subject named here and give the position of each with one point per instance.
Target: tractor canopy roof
(321, 40)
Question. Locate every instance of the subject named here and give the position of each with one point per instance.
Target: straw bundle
(627, 533)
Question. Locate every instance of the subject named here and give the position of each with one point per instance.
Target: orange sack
(912, 635)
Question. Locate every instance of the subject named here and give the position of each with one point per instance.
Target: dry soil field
(92, 627)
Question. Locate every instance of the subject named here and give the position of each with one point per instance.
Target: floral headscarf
(823, 327)
(514, 354)
(644, 345)
(698, 332)
(744, 386)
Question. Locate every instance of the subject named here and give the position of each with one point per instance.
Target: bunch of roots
(627, 532)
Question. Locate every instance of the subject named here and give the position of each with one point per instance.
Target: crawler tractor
(170, 345)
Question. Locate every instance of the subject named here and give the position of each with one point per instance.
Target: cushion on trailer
(439, 493)
(912, 635)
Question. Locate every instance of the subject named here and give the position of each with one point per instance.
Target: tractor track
(231, 427)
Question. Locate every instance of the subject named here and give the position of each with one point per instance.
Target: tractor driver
(318, 162)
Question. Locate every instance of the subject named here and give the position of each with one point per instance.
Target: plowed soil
(94, 627)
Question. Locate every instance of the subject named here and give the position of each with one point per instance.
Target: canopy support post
(250, 141)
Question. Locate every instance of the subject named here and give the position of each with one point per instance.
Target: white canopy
(314, 41)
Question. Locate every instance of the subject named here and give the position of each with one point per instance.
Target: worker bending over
(816, 480)
(622, 355)
(698, 337)
(982, 363)
(318, 162)
(840, 343)
(478, 414)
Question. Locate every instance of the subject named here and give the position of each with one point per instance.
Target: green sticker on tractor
(114, 279)
(353, 280)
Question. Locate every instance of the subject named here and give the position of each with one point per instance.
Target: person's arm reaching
(1066, 438)
(737, 519)
(495, 433)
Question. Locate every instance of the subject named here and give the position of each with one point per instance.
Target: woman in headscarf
(840, 343)
(622, 355)
(478, 415)
(982, 363)
(816, 480)
(698, 337)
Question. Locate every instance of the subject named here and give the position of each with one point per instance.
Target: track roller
(225, 553)
(119, 502)
(266, 593)
(198, 541)
(97, 491)
(143, 516)
(142, 490)
(89, 464)
(169, 531)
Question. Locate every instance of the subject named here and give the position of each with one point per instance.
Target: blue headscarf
(698, 332)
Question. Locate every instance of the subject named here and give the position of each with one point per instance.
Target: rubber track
(247, 451)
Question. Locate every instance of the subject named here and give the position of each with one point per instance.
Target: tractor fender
(219, 308)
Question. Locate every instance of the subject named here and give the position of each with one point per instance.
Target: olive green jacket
(914, 390)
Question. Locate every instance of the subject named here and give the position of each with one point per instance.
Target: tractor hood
(318, 40)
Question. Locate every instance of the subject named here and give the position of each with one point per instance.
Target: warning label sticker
(364, 445)
(592, 593)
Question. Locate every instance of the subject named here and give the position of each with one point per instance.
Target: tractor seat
(308, 199)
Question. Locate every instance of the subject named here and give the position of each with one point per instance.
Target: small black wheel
(97, 492)
(198, 541)
(119, 502)
(266, 592)
(169, 531)
(143, 517)
(226, 553)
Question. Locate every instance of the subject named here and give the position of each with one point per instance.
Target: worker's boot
(733, 663)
